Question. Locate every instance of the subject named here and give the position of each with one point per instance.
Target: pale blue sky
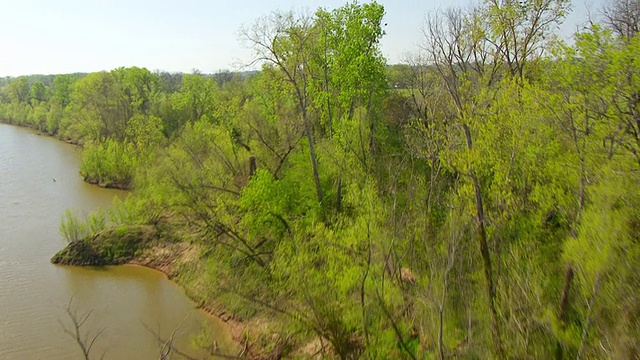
(63, 36)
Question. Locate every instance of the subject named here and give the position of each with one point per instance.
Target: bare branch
(85, 342)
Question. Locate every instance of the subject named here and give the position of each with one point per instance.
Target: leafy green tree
(196, 97)
(267, 124)
(61, 90)
(109, 163)
(350, 62)
(19, 90)
(98, 108)
(144, 132)
(38, 93)
(139, 86)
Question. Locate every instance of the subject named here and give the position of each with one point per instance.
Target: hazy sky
(63, 36)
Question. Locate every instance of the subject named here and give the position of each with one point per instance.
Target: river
(38, 181)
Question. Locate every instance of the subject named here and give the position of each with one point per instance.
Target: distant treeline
(104, 111)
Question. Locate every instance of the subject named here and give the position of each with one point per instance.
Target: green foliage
(488, 209)
(72, 228)
(38, 92)
(19, 90)
(267, 203)
(196, 97)
(110, 164)
(144, 132)
(61, 90)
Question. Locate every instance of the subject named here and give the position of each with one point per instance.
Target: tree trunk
(486, 256)
(252, 165)
(339, 195)
(312, 153)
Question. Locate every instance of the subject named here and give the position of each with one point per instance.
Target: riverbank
(93, 180)
(148, 246)
(39, 183)
(168, 258)
(258, 337)
(151, 247)
(40, 131)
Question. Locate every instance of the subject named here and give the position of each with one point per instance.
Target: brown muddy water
(38, 181)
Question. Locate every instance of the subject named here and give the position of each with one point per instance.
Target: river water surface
(38, 181)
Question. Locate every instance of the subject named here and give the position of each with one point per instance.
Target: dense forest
(478, 201)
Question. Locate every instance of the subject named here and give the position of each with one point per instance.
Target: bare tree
(623, 17)
(168, 348)
(84, 339)
(519, 29)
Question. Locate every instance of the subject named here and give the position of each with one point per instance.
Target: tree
(623, 17)
(351, 67)
(85, 341)
(460, 63)
(268, 125)
(596, 92)
(38, 93)
(144, 132)
(519, 30)
(479, 55)
(348, 85)
(61, 92)
(285, 42)
(19, 90)
(139, 86)
(196, 97)
(99, 108)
